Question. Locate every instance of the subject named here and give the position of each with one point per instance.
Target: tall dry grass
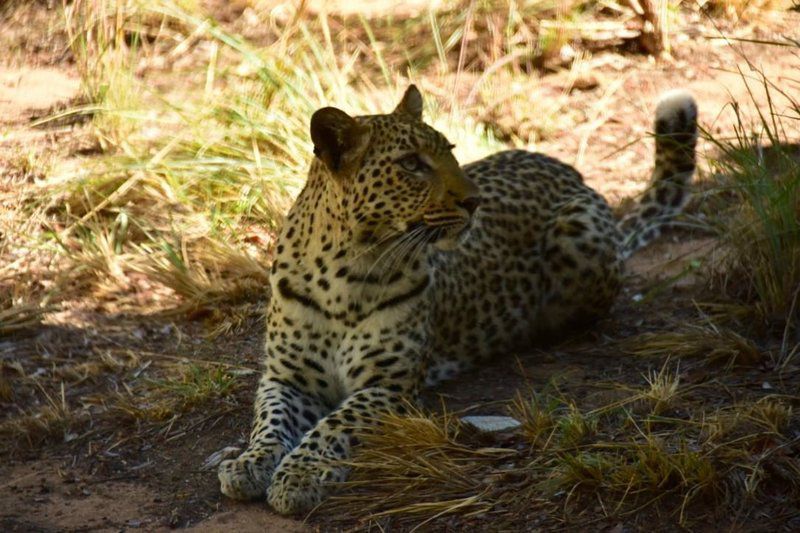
(205, 144)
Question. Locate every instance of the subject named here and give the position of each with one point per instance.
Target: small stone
(491, 424)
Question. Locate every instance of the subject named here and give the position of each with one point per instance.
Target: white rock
(491, 423)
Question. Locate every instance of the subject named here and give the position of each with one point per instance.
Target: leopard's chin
(446, 244)
(444, 237)
(451, 238)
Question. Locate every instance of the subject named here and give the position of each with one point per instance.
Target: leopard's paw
(295, 492)
(298, 486)
(246, 477)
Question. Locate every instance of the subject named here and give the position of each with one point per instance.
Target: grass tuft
(712, 345)
(759, 174)
(663, 389)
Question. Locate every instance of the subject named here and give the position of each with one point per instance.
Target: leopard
(397, 268)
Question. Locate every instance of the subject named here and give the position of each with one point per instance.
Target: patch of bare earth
(49, 497)
(95, 474)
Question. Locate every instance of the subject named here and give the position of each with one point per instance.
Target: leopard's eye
(413, 163)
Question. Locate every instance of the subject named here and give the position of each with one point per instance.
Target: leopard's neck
(320, 267)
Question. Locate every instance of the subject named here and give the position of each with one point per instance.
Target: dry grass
(426, 471)
(710, 344)
(663, 391)
(163, 400)
(25, 297)
(418, 469)
(202, 132)
(16, 315)
(148, 395)
(758, 227)
(198, 178)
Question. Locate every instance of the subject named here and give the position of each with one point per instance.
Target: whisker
(401, 253)
(380, 242)
(389, 250)
(392, 259)
(423, 247)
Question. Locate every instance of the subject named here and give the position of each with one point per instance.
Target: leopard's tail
(668, 192)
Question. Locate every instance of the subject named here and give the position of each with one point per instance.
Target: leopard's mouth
(445, 234)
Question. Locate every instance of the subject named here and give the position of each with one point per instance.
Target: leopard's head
(396, 176)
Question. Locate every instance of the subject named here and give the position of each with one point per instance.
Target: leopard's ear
(411, 104)
(339, 140)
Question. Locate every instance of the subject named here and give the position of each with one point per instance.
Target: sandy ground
(26, 91)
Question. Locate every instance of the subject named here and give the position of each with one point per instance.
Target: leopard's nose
(470, 203)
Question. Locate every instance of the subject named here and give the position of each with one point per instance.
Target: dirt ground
(126, 482)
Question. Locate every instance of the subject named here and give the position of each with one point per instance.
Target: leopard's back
(538, 229)
(545, 254)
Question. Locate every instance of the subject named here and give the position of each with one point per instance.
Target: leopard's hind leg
(582, 268)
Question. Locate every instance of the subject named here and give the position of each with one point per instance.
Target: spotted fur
(396, 264)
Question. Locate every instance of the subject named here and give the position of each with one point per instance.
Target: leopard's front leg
(283, 413)
(302, 479)
(381, 382)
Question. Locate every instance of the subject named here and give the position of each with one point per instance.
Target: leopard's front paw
(246, 477)
(299, 486)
